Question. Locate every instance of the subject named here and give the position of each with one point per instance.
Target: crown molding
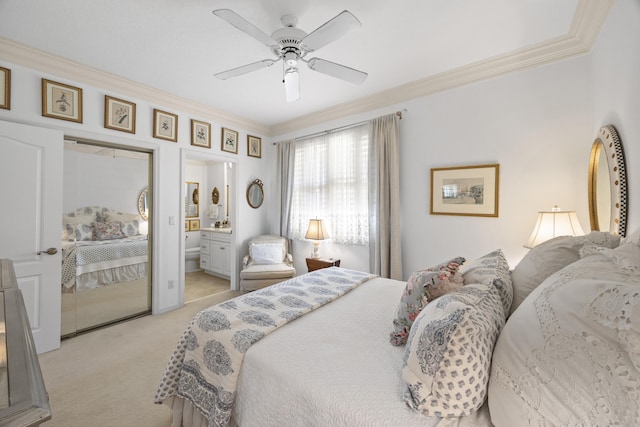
(585, 27)
(47, 63)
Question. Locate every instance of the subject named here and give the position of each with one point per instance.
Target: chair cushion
(267, 252)
(271, 271)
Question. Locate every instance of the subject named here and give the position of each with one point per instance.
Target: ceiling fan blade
(245, 26)
(330, 31)
(336, 70)
(245, 69)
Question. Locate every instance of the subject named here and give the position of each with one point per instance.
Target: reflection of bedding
(90, 264)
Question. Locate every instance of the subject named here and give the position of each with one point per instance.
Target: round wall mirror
(608, 183)
(143, 203)
(255, 194)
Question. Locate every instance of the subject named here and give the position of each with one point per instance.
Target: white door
(30, 222)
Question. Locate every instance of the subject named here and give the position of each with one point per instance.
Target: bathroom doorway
(209, 220)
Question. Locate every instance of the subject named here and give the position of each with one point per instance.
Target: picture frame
(61, 101)
(200, 134)
(165, 125)
(187, 225)
(465, 190)
(229, 142)
(119, 114)
(194, 224)
(254, 146)
(5, 88)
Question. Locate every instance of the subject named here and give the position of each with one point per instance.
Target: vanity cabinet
(215, 252)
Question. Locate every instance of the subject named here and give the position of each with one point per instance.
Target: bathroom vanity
(215, 251)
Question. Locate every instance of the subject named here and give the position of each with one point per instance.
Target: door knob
(50, 251)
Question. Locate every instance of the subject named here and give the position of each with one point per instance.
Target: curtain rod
(325, 132)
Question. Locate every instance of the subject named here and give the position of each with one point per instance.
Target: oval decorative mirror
(215, 196)
(608, 183)
(192, 200)
(143, 203)
(255, 194)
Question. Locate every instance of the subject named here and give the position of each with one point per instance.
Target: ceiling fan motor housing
(289, 44)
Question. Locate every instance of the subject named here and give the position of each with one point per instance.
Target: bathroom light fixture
(552, 224)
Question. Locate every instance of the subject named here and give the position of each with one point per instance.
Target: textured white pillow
(551, 256)
(448, 354)
(267, 253)
(493, 269)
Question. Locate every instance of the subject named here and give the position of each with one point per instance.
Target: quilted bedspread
(206, 362)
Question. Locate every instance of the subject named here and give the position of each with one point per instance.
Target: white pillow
(266, 253)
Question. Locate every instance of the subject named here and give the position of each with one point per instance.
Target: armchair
(267, 263)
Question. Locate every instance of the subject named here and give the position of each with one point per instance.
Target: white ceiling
(177, 46)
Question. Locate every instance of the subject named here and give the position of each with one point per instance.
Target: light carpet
(109, 377)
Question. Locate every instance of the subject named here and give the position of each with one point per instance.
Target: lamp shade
(292, 84)
(316, 230)
(552, 224)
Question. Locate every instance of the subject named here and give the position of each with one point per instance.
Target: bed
(475, 353)
(104, 268)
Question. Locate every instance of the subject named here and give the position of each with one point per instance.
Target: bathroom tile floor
(200, 284)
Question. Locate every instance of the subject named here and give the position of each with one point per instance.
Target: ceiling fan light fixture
(292, 84)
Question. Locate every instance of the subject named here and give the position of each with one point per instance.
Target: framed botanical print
(119, 114)
(465, 190)
(229, 141)
(5, 88)
(194, 224)
(61, 101)
(200, 134)
(165, 125)
(254, 146)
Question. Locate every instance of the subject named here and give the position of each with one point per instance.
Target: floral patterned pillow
(424, 286)
(108, 230)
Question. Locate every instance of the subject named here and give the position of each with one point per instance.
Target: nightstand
(318, 263)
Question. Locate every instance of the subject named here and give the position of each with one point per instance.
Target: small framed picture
(254, 146)
(465, 190)
(194, 224)
(119, 114)
(187, 225)
(165, 125)
(5, 88)
(61, 101)
(229, 140)
(200, 134)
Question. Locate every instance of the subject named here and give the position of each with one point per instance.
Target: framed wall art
(194, 224)
(5, 88)
(465, 190)
(229, 141)
(200, 134)
(61, 101)
(119, 114)
(254, 146)
(165, 125)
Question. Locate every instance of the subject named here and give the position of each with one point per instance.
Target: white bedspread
(332, 367)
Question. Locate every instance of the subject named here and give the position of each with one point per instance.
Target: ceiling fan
(291, 45)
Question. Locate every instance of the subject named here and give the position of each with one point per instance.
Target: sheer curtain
(330, 183)
(286, 155)
(385, 254)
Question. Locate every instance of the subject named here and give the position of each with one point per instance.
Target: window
(331, 182)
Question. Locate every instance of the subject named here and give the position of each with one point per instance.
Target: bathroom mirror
(608, 183)
(255, 194)
(192, 200)
(143, 203)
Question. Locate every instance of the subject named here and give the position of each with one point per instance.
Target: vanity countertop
(226, 230)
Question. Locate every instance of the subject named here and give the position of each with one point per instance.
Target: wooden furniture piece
(318, 263)
(23, 398)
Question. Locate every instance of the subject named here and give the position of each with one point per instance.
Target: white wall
(615, 62)
(536, 124)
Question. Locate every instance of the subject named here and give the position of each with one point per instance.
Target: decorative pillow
(108, 230)
(493, 269)
(423, 286)
(83, 232)
(72, 222)
(130, 228)
(267, 253)
(448, 356)
(551, 256)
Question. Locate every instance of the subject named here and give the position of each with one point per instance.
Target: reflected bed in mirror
(608, 183)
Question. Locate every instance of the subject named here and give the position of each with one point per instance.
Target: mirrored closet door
(106, 262)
